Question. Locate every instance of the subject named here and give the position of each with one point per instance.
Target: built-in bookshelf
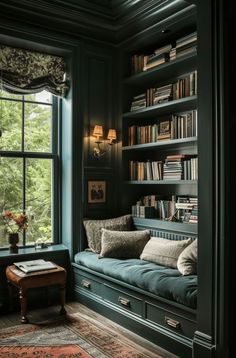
(160, 121)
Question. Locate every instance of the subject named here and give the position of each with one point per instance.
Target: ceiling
(107, 20)
(112, 8)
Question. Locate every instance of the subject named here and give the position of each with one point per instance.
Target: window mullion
(23, 127)
(24, 195)
(24, 165)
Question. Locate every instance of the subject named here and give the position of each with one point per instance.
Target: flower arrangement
(15, 223)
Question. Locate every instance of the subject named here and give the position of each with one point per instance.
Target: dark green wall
(95, 99)
(89, 102)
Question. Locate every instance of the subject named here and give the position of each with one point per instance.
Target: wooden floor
(40, 315)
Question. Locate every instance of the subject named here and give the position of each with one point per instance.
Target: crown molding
(102, 20)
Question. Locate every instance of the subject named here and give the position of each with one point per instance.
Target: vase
(13, 240)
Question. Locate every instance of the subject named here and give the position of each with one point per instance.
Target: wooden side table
(23, 281)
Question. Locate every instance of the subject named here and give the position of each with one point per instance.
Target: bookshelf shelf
(178, 105)
(190, 228)
(161, 182)
(172, 69)
(164, 143)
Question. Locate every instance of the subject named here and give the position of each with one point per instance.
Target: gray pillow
(187, 261)
(163, 251)
(94, 233)
(123, 244)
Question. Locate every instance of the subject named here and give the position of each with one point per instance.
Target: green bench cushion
(160, 280)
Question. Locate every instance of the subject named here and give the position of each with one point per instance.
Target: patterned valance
(23, 72)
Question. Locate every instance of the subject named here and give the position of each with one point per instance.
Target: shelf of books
(167, 107)
(176, 68)
(160, 130)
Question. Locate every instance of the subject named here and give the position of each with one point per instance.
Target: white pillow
(163, 251)
(187, 261)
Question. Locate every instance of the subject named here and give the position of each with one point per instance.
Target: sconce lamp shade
(111, 134)
(98, 131)
(101, 146)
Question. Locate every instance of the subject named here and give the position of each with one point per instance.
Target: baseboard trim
(157, 335)
(203, 345)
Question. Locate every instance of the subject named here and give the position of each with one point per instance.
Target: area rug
(70, 337)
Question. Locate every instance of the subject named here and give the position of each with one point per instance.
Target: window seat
(159, 280)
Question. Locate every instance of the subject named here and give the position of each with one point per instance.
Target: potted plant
(14, 224)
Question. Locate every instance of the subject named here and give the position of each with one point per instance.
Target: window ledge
(28, 252)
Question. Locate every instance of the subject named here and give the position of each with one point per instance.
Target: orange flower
(8, 214)
(15, 223)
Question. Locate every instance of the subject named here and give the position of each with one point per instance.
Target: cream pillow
(163, 251)
(94, 233)
(123, 244)
(187, 261)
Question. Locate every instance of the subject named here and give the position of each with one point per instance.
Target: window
(29, 163)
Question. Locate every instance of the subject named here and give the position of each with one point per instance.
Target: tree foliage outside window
(27, 163)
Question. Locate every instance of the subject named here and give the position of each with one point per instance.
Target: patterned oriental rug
(68, 337)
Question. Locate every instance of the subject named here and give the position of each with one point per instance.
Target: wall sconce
(98, 134)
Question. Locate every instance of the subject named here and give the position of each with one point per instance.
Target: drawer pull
(124, 301)
(172, 322)
(86, 284)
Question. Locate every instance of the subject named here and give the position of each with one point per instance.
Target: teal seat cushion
(163, 281)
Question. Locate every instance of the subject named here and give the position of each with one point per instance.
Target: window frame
(54, 156)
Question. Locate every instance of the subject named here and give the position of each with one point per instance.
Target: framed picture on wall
(96, 191)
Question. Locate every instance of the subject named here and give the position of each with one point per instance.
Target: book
(34, 265)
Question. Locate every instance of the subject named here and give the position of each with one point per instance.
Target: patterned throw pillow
(123, 244)
(163, 251)
(187, 260)
(94, 233)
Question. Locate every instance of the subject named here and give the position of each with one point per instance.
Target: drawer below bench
(126, 298)
(170, 320)
(87, 283)
(122, 299)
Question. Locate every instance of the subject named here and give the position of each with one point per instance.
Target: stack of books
(160, 56)
(173, 167)
(34, 265)
(187, 209)
(186, 45)
(138, 102)
(180, 166)
(162, 94)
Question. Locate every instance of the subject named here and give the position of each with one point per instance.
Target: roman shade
(24, 72)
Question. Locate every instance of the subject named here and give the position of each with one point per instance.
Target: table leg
(23, 302)
(62, 297)
(10, 293)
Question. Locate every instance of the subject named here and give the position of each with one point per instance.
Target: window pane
(11, 184)
(44, 97)
(39, 200)
(10, 123)
(6, 94)
(38, 127)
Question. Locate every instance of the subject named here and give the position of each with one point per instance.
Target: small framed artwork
(96, 191)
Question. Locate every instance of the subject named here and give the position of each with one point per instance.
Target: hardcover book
(34, 265)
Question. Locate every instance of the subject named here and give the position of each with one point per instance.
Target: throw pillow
(123, 244)
(163, 251)
(187, 261)
(94, 233)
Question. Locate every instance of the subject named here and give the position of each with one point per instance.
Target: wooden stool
(23, 281)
